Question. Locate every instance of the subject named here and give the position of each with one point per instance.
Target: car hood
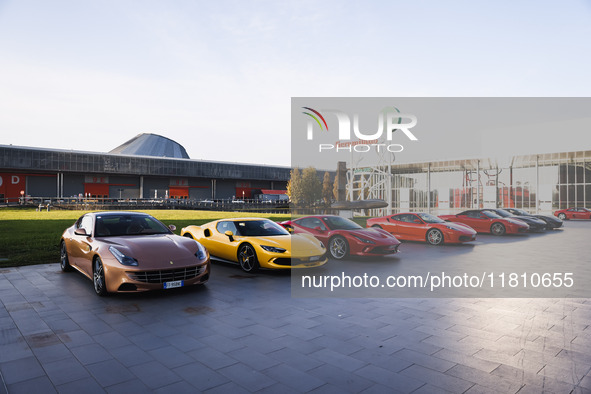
(550, 218)
(151, 251)
(374, 234)
(516, 221)
(458, 226)
(530, 220)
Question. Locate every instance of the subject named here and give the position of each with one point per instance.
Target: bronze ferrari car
(131, 251)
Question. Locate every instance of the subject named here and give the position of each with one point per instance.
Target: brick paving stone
(20, 370)
(130, 386)
(37, 385)
(247, 377)
(109, 372)
(424, 360)
(154, 375)
(293, 378)
(200, 376)
(86, 386)
(438, 379)
(341, 379)
(396, 381)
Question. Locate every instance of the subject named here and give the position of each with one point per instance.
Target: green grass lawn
(31, 237)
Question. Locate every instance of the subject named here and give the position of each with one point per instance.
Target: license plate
(173, 284)
(314, 258)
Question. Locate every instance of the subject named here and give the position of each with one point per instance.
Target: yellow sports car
(255, 242)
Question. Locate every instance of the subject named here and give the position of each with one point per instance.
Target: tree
(304, 188)
(327, 189)
(294, 187)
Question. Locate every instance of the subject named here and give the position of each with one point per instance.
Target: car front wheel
(247, 258)
(98, 277)
(497, 229)
(561, 216)
(64, 260)
(434, 237)
(338, 247)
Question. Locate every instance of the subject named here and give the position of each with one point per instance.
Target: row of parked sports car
(131, 251)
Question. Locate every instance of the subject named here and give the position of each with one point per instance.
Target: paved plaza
(245, 333)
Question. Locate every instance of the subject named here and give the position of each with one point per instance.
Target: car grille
(385, 249)
(161, 276)
(289, 262)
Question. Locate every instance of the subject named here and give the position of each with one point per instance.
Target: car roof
(119, 213)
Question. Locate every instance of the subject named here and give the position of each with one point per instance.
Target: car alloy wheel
(497, 229)
(338, 247)
(98, 277)
(64, 261)
(247, 258)
(434, 237)
(561, 216)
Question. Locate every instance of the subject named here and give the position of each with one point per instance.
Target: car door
(220, 245)
(416, 228)
(313, 226)
(396, 226)
(81, 253)
(476, 220)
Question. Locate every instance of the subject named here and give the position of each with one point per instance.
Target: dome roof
(147, 144)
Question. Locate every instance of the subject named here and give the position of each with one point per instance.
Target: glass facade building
(536, 183)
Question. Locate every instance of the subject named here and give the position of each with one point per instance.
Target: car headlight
(201, 253)
(272, 249)
(121, 258)
(364, 240)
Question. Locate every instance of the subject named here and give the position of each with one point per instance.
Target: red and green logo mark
(315, 115)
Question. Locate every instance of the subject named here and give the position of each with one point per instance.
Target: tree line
(306, 190)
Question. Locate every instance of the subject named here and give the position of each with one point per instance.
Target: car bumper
(456, 238)
(376, 250)
(123, 279)
(295, 262)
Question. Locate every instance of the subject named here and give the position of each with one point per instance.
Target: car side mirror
(172, 227)
(417, 221)
(81, 231)
(230, 235)
(319, 229)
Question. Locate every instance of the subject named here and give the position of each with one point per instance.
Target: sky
(218, 77)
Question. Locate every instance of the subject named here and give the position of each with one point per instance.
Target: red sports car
(573, 213)
(423, 227)
(343, 236)
(484, 221)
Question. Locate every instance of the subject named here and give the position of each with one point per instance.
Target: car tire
(562, 216)
(338, 247)
(98, 277)
(434, 237)
(498, 229)
(247, 258)
(64, 260)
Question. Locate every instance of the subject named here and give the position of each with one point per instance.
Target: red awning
(269, 191)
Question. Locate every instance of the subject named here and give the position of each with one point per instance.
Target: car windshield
(428, 218)
(491, 214)
(119, 225)
(259, 228)
(502, 213)
(520, 212)
(339, 223)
